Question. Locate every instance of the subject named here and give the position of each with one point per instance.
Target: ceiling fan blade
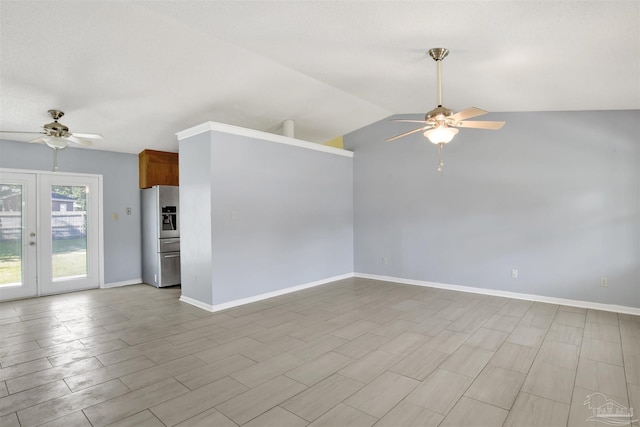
(468, 113)
(87, 135)
(409, 121)
(18, 131)
(480, 125)
(393, 138)
(38, 139)
(76, 140)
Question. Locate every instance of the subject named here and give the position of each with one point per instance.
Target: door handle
(170, 256)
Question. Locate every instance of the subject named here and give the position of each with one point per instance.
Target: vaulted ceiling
(139, 71)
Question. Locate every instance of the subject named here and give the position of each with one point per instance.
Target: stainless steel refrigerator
(161, 236)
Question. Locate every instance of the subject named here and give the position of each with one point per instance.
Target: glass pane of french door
(69, 231)
(69, 243)
(17, 235)
(11, 234)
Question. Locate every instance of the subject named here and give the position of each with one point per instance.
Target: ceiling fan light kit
(55, 143)
(440, 135)
(57, 136)
(440, 124)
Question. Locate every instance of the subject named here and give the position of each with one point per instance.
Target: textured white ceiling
(139, 71)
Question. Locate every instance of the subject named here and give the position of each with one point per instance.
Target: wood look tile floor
(356, 352)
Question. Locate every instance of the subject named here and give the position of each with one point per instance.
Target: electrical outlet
(604, 282)
(514, 273)
(385, 260)
(115, 216)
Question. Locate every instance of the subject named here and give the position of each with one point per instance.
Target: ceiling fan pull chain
(55, 159)
(440, 161)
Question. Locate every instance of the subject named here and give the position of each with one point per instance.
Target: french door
(49, 233)
(18, 230)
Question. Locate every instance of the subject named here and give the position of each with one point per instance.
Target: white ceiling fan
(440, 124)
(57, 136)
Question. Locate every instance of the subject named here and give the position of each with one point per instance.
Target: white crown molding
(498, 293)
(242, 301)
(266, 136)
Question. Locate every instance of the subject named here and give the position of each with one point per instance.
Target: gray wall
(120, 190)
(195, 218)
(553, 194)
(281, 215)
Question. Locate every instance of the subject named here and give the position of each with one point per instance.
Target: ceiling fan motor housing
(57, 130)
(438, 113)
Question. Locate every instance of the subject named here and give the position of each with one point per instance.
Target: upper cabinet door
(158, 168)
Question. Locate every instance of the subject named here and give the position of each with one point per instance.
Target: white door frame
(100, 244)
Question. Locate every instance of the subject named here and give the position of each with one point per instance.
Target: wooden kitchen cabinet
(157, 168)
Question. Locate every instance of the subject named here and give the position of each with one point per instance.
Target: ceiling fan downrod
(438, 54)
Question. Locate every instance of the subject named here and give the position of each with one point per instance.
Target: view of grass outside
(68, 232)
(10, 261)
(69, 259)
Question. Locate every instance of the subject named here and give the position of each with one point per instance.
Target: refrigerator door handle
(170, 256)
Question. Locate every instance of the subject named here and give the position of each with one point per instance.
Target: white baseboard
(197, 303)
(242, 301)
(494, 292)
(484, 291)
(118, 284)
